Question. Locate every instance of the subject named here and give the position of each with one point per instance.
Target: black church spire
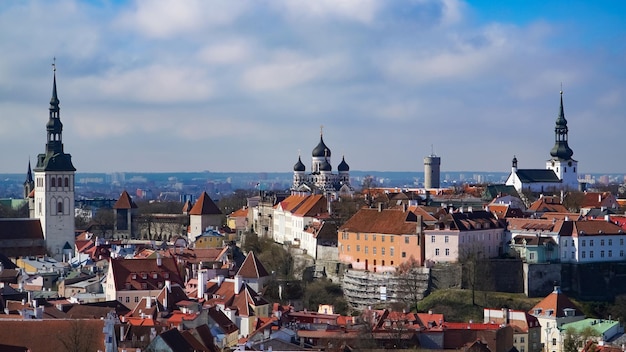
(561, 149)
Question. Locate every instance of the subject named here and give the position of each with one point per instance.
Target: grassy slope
(456, 305)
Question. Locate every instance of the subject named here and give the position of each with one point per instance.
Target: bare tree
(78, 337)
(410, 282)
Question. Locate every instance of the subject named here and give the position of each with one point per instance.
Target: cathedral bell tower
(54, 187)
(561, 161)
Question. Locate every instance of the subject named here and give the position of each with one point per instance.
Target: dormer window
(133, 276)
(166, 275)
(144, 276)
(569, 312)
(537, 311)
(550, 312)
(155, 275)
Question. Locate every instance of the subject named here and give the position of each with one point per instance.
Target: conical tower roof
(205, 206)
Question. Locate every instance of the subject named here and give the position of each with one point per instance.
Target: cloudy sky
(172, 85)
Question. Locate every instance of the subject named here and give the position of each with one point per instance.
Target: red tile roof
(50, 335)
(554, 305)
(252, 267)
(125, 202)
(387, 221)
(313, 205)
(134, 272)
(205, 206)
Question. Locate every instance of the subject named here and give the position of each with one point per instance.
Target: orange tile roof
(252, 267)
(49, 335)
(239, 213)
(291, 203)
(132, 271)
(555, 303)
(125, 202)
(312, 206)
(205, 206)
(387, 221)
(596, 227)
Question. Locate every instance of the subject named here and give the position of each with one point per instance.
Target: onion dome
(325, 166)
(343, 166)
(561, 149)
(299, 166)
(321, 150)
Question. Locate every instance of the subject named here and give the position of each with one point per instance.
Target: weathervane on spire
(54, 64)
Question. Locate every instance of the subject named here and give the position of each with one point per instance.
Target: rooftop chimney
(159, 261)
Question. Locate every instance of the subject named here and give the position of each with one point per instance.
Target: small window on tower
(60, 207)
(67, 181)
(53, 182)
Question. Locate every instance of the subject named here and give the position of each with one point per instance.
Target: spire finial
(561, 88)
(54, 64)
(321, 130)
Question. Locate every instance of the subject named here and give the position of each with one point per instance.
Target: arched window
(53, 182)
(60, 207)
(67, 181)
(60, 182)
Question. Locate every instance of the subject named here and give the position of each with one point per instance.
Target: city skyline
(244, 87)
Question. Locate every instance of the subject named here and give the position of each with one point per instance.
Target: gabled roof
(131, 271)
(252, 268)
(125, 202)
(554, 305)
(313, 205)
(291, 203)
(15, 231)
(598, 199)
(386, 221)
(239, 213)
(548, 204)
(205, 206)
(537, 176)
(596, 227)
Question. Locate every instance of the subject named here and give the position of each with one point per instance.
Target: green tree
(325, 292)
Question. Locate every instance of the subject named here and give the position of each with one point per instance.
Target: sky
(246, 86)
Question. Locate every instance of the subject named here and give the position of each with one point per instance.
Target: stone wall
(540, 279)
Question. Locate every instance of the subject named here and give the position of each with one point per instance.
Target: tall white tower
(561, 161)
(432, 164)
(54, 187)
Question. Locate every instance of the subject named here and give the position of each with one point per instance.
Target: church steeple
(561, 149)
(54, 158)
(29, 183)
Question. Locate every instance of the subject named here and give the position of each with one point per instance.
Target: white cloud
(168, 18)
(155, 84)
(227, 52)
(287, 70)
(355, 10)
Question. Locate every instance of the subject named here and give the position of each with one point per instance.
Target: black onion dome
(321, 150)
(343, 166)
(325, 166)
(299, 166)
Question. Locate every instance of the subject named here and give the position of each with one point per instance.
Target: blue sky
(170, 85)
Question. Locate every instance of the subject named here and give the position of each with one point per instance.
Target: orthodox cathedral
(321, 179)
(560, 173)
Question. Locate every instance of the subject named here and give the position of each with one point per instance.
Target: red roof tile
(252, 267)
(125, 202)
(205, 206)
(387, 221)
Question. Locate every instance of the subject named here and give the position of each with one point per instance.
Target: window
(67, 182)
(348, 248)
(60, 207)
(133, 276)
(572, 242)
(553, 341)
(144, 276)
(432, 239)
(621, 241)
(531, 256)
(436, 251)
(446, 239)
(601, 254)
(53, 182)
(447, 251)
(366, 250)
(358, 248)
(373, 237)
(591, 243)
(583, 254)
(590, 254)
(565, 243)
(391, 252)
(374, 250)
(358, 236)
(621, 253)
(602, 242)
(407, 240)
(166, 275)
(584, 243)
(610, 253)
(136, 299)
(610, 242)
(154, 275)
(366, 237)
(127, 299)
(521, 339)
(382, 251)
(144, 286)
(390, 238)
(382, 238)
(404, 254)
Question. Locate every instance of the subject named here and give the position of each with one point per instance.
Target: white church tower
(561, 162)
(54, 187)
